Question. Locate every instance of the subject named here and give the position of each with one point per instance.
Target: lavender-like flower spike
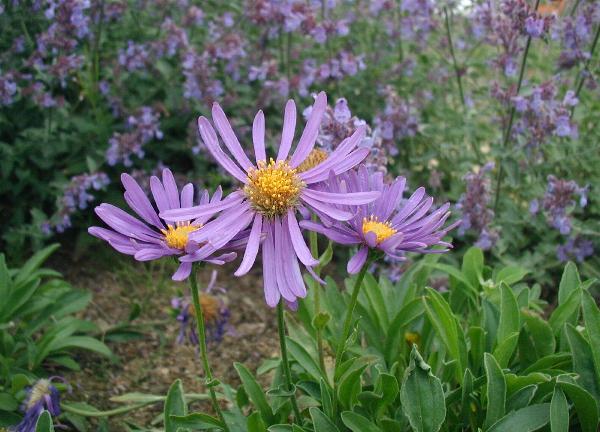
(272, 191)
(152, 237)
(389, 224)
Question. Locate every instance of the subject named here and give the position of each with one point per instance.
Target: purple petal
(212, 143)
(139, 202)
(371, 239)
(289, 128)
(187, 195)
(272, 295)
(297, 240)
(258, 136)
(331, 233)
(229, 138)
(118, 241)
(358, 260)
(149, 254)
(183, 271)
(159, 194)
(186, 214)
(353, 198)
(170, 188)
(126, 224)
(311, 130)
(252, 247)
(332, 212)
(409, 207)
(282, 251)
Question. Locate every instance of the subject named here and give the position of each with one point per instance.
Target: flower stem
(203, 351)
(339, 352)
(284, 361)
(511, 118)
(314, 249)
(587, 64)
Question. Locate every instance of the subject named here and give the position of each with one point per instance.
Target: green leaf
(350, 386)
(510, 275)
(565, 311)
(321, 422)
(496, 390)
(255, 393)
(446, 325)
(569, 282)
(526, 419)
(504, 350)
(44, 423)
(521, 398)
(540, 332)
(8, 402)
(82, 342)
(357, 423)
(34, 262)
(510, 321)
(193, 421)
(559, 412)
(256, 423)
(304, 359)
(174, 405)
(422, 395)
(585, 404)
(4, 278)
(395, 333)
(591, 316)
(472, 266)
(583, 363)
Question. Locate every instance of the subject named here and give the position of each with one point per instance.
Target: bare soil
(151, 364)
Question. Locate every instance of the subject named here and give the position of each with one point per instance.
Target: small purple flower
(560, 200)
(474, 205)
(534, 27)
(152, 237)
(577, 248)
(43, 395)
(216, 316)
(389, 224)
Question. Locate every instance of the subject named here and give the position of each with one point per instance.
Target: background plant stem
(511, 119)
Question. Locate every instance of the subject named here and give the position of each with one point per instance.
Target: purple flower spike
(389, 224)
(272, 192)
(152, 237)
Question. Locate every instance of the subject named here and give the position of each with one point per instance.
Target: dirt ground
(151, 364)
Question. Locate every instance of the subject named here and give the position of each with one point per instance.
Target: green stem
(341, 346)
(511, 119)
(202, 342)
(456, 70)
(284, 361)
(314, 250)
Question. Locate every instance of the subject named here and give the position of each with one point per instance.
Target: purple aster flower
(272, 192)
(388, 224)
(41, 396)
(152, 238)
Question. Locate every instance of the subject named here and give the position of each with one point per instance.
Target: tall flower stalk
(210, 382)
(314, 250)
(511, 116)
(285, 363)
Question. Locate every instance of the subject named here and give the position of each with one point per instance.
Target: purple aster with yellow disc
(390, 224)
(272, 190)
(151, 237)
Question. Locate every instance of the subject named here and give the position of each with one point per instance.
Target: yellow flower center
(315, 157)
(177, 236)
(412, 338)
(273, 188)
(382, 230)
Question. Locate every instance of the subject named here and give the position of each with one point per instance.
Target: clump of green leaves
(38, 328)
